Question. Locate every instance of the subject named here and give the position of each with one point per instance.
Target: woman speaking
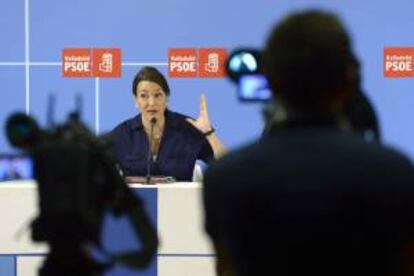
(171, 140)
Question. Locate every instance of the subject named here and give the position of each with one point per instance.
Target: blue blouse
(181, 145)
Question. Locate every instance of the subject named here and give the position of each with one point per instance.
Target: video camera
(245, 67)
(77, 183)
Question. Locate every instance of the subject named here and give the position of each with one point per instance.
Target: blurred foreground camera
(245, 67)
(77, 184)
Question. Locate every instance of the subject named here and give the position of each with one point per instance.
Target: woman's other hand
(202, 123)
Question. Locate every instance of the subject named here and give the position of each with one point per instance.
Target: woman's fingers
(203, 107)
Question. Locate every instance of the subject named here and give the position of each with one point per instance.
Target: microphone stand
(149, 157)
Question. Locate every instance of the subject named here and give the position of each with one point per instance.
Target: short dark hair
(306, 56)
(149, 73)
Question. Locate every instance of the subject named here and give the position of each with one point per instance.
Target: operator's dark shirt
(181, 145)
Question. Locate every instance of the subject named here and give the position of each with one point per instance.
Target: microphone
(153, 121)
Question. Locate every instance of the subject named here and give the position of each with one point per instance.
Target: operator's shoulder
(389, 157)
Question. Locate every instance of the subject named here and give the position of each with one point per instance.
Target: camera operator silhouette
(77, 183)
(311, 197)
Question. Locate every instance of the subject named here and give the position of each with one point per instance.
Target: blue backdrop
(35, 32)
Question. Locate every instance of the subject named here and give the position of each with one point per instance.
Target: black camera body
(74, 176)
(78, 183)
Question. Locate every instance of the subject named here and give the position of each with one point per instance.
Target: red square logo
(211, 63)
(398, 62)
(76, 63)
(107, 63)
(182, 63)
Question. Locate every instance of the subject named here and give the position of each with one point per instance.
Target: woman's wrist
(208, 133)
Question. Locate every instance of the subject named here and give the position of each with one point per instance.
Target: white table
(184, 250)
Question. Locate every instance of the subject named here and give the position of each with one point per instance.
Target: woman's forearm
(218, 148)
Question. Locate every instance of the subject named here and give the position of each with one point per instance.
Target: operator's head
(309, 63)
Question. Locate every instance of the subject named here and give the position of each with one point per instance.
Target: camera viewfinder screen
(15, 167)
(253, 88)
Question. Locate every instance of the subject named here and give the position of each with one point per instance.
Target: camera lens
(21, 130)
(241, 62)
